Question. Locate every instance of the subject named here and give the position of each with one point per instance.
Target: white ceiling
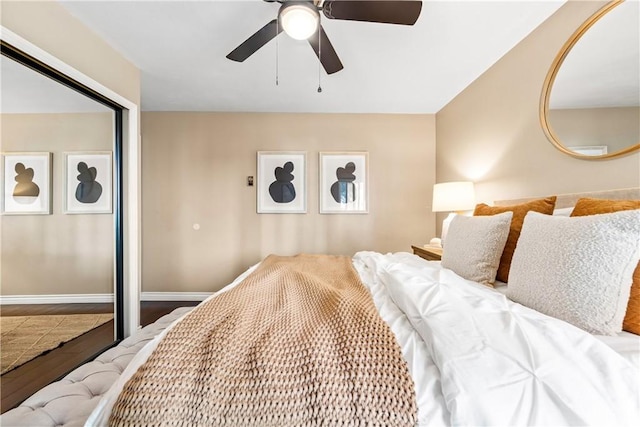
(180, 48)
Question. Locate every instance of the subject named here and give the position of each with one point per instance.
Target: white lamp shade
(299, 21)
(453, 196)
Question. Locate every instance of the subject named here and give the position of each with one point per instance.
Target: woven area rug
(26, 337)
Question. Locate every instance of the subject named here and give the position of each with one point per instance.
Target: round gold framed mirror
(590, 103)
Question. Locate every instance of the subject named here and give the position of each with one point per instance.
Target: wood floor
(22, 382)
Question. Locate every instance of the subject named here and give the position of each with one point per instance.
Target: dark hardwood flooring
(21, 382)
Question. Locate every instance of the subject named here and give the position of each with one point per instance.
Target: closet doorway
(61, 253)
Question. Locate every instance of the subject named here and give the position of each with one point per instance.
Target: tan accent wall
(491, 133)
(58, 253)
(617, 128)
(195, 167)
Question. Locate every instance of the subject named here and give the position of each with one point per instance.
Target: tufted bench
(69, 402)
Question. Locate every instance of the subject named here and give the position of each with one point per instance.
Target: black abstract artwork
(344, 190)
(88, 190)
(282, 189)
(25, 191)
(25, 186)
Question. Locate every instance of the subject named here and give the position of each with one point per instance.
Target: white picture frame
(88, 182)
(26, 183)
(344, 182)
(282, 182)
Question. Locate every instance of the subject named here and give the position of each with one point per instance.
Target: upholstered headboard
(569, 200)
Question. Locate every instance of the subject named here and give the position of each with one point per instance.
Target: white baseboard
(100, 298)
(174, 296)
(56, 299)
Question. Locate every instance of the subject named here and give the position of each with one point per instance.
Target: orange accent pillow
(586, 206)
(544, 206)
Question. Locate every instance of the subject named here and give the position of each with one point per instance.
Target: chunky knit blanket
(299, 342)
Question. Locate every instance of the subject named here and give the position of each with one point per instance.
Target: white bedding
(479, 359)
(625, 343)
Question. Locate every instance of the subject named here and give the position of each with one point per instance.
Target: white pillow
(474, 245)
(577, 269)
(563, 211)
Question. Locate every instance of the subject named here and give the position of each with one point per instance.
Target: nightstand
(430, 253)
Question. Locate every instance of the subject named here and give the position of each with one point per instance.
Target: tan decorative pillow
(586, 206)
(631, 321)
(544, 206)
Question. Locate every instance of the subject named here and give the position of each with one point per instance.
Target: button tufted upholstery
(69, 402)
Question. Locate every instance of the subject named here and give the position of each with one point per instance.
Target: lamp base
(445, 226)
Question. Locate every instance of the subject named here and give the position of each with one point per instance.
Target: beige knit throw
(298, 343)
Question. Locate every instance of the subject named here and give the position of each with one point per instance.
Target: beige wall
(617, 128)
(49, 26)
(58, 253)
(491, 133)
(195, 167)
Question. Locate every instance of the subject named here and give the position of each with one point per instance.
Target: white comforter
(497, 362)
(478, 358)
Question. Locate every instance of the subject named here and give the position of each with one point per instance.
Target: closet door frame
(126, 177)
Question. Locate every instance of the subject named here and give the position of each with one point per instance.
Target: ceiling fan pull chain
(277, 32)
(319, 57)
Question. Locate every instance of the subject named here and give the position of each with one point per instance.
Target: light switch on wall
(250, 181)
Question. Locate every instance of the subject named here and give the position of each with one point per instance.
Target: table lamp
(454, 197)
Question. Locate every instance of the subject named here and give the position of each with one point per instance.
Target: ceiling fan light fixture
(300, 21)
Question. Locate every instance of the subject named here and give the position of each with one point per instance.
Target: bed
(473, 355)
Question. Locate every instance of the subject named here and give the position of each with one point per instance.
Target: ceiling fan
(301, 20)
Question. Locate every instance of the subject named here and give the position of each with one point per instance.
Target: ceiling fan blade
(256, 41)
(328, 55)
(404, 12)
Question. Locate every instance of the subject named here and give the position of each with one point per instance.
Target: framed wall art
(282, 183)
(88, 182)
(344, 184)
(26, 183)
